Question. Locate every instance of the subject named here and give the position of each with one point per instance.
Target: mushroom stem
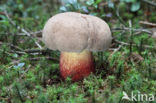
(76, 65)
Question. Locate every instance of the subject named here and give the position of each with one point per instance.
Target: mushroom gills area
(76, 65)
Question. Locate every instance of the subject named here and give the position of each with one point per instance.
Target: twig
(147, 23)
(117, 49)
(24, 72)
(2, 98)
(22, 29)
(5, 52)
(40, 58)
(150, 2)
(145, 46)
(39, 51)
(19, 94)
(16, 47)
(118, 15)
(28, 34)
(133, 29)
(28, 51)
(36, 33)
(35, 50)
(7, 15)
(31, 51)
(131, 36)
(18, 52)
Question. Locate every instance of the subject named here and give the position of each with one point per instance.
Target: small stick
(40, 58)
(145, 46)
(19, 94)
(22, 29)
(133, 29)
(117, 49)
(150, 2)
(131, 36)
(35, 50)
(147, 23)
(36, 33)
(16, 47)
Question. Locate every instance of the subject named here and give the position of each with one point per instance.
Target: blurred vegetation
(29, 74)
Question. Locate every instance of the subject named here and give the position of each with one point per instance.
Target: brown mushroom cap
(75, 32)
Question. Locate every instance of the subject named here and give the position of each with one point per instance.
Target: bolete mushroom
(76, 35)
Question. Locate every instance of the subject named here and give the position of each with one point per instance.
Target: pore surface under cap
(75, 32)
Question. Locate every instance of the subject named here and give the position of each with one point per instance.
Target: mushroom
(76, 35)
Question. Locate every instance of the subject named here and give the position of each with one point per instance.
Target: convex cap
(75, 32)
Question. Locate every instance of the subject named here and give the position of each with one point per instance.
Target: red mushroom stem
(76, 65)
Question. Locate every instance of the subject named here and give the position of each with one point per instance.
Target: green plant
(73, 5)
(135, 4)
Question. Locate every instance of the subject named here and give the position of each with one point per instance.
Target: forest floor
(29, 72)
